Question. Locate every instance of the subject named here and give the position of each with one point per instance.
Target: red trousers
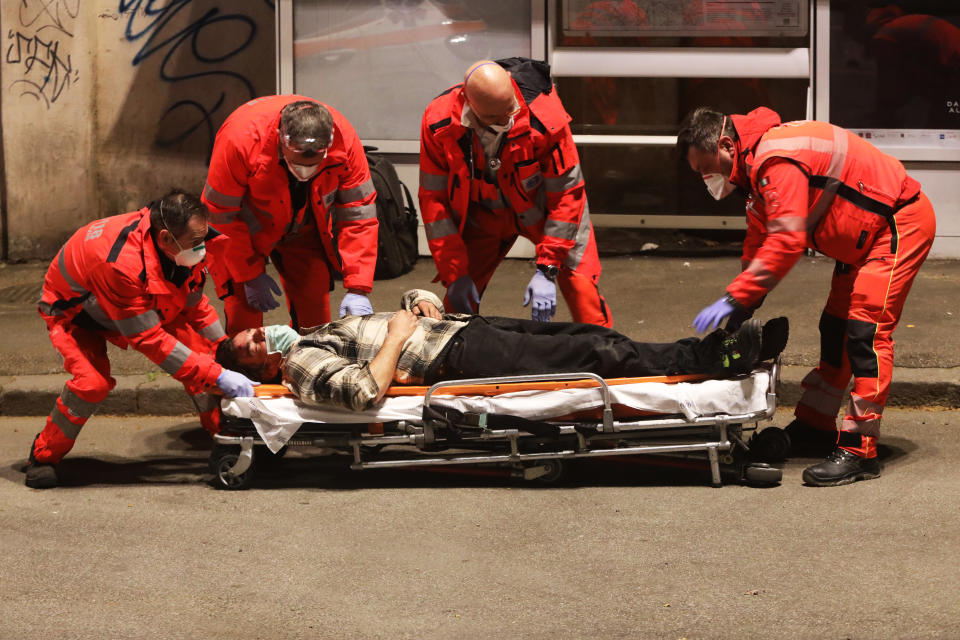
(856, 330)
(489, 236)
(306, 282)
(84, 354)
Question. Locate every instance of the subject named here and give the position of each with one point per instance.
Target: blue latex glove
(355, 304)
(235, 385)
(710, 317)
(258, 292)
(463, 295)
(542, 291)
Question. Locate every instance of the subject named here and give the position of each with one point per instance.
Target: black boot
(39, 475)
(741, 351)
(841, 467)
(809, 442)
(775, 335)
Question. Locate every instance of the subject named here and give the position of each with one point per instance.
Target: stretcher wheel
(553, 471)
(769, 445)
(762, 474)
(221, 462)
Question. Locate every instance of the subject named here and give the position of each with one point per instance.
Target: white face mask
(502, 128)
(303, 172)
(718, 185)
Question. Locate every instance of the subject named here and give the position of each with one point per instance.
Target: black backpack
(397, 239)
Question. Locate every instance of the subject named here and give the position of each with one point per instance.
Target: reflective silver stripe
(575, 255)
(432, 182)
(533, 181)
(176, 359)
(440, 229)
(223, 217)
(493, 204)
(194, 298)
(531, 216)
(763, 276)
(249, 218)
(568, 180)
(827, 196)
(838, 156)
(356, 193)
(77, 405)
(92, 307)
(365, 212)
(328, 198)
(68, 428)
(62, 267)
(213, 331)
(138, 323)
(862, 427)
(821, 401)
(205, 402)
(793, 144)
(220, 199)
(787, 224)
(557, 229)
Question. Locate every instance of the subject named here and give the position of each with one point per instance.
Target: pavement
(653, 299)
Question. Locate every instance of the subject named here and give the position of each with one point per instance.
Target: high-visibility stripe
(796, 143)
(365, 212)
(356, 193)
(77, 405)
(213, 331)
(69, 429)
(249, 218)
(432, 182)
(440, 229)
(75, 286)
(568, 180)
(221, 199)
(93, 309)
(558, 229)
(176, 359)
(863, 427)
(787, 224)
(137, 324)
(762, 274)
(821, 401)
(531, 216)
(828, 194)
(493, 205)
(575, 255)
(223, 217)
(194, 298)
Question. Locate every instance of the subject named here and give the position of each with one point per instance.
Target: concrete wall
(106, 104)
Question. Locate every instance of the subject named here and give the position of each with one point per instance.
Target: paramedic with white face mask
(136, 280)
(289, 183)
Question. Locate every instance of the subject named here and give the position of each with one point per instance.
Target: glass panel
(380, 62)
(655, 106)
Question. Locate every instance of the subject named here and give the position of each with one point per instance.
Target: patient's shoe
(807, 441)
(775, 334)
(741, 350)
(841, 467)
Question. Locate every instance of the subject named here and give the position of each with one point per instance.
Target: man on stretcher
(352, 361)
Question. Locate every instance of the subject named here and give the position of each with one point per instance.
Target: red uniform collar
(750, 128)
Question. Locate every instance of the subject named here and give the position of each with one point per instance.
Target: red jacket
(248, 193)
(811, 184)
(109, 277)
(540, 169)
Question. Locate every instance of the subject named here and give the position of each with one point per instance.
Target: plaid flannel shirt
(330, 364)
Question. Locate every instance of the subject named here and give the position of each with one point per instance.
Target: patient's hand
(427, 310)
(402, 325)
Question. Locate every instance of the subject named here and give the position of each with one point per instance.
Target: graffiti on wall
(38, 49)
(190, 40)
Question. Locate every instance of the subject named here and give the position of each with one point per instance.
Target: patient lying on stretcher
(352, 361)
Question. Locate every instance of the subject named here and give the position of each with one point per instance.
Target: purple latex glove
(235, 385)
(258, 292)
(542, 291)
(710, 317)
(463, 295)
(355, 304)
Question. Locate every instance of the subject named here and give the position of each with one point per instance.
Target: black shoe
(841, 467)
(740, 351)
(809, 442)
(775, 333)
(41, 476)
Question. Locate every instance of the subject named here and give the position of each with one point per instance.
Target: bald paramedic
(497, 161)
(289, 183)
(814, 185)
(135, 280)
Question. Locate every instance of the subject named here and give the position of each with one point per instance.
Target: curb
(164, 396)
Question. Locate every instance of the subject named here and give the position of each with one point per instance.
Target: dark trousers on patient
(493, 346)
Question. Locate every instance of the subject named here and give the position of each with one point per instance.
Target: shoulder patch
(764, 181)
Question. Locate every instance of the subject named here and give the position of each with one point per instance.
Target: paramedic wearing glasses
(351, 362)
(289, 181)
(811, 184)
(497, 161)
(135, 280)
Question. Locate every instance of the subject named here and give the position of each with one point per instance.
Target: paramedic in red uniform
(497, 161)
(289, 182)
(812, 184)
(135, 280)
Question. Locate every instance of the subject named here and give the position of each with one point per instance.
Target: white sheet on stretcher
(277, 419)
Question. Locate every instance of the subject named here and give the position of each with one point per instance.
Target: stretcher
(531, 425)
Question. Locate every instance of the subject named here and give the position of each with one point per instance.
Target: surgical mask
(718, 185)
(190, 257)
(501, 128)
(280, 338)
(303, 172)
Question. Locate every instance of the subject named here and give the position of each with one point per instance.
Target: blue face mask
(280, 338)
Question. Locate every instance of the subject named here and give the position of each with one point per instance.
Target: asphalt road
(138, 545)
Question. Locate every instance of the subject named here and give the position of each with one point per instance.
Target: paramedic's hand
(258, 292)
(713, 315)
(402, 325)
(463, 295)
(426, 309)
(235, 385)
(355, 304)
(542, 291)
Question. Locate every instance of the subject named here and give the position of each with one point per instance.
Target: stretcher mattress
(277, 419)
